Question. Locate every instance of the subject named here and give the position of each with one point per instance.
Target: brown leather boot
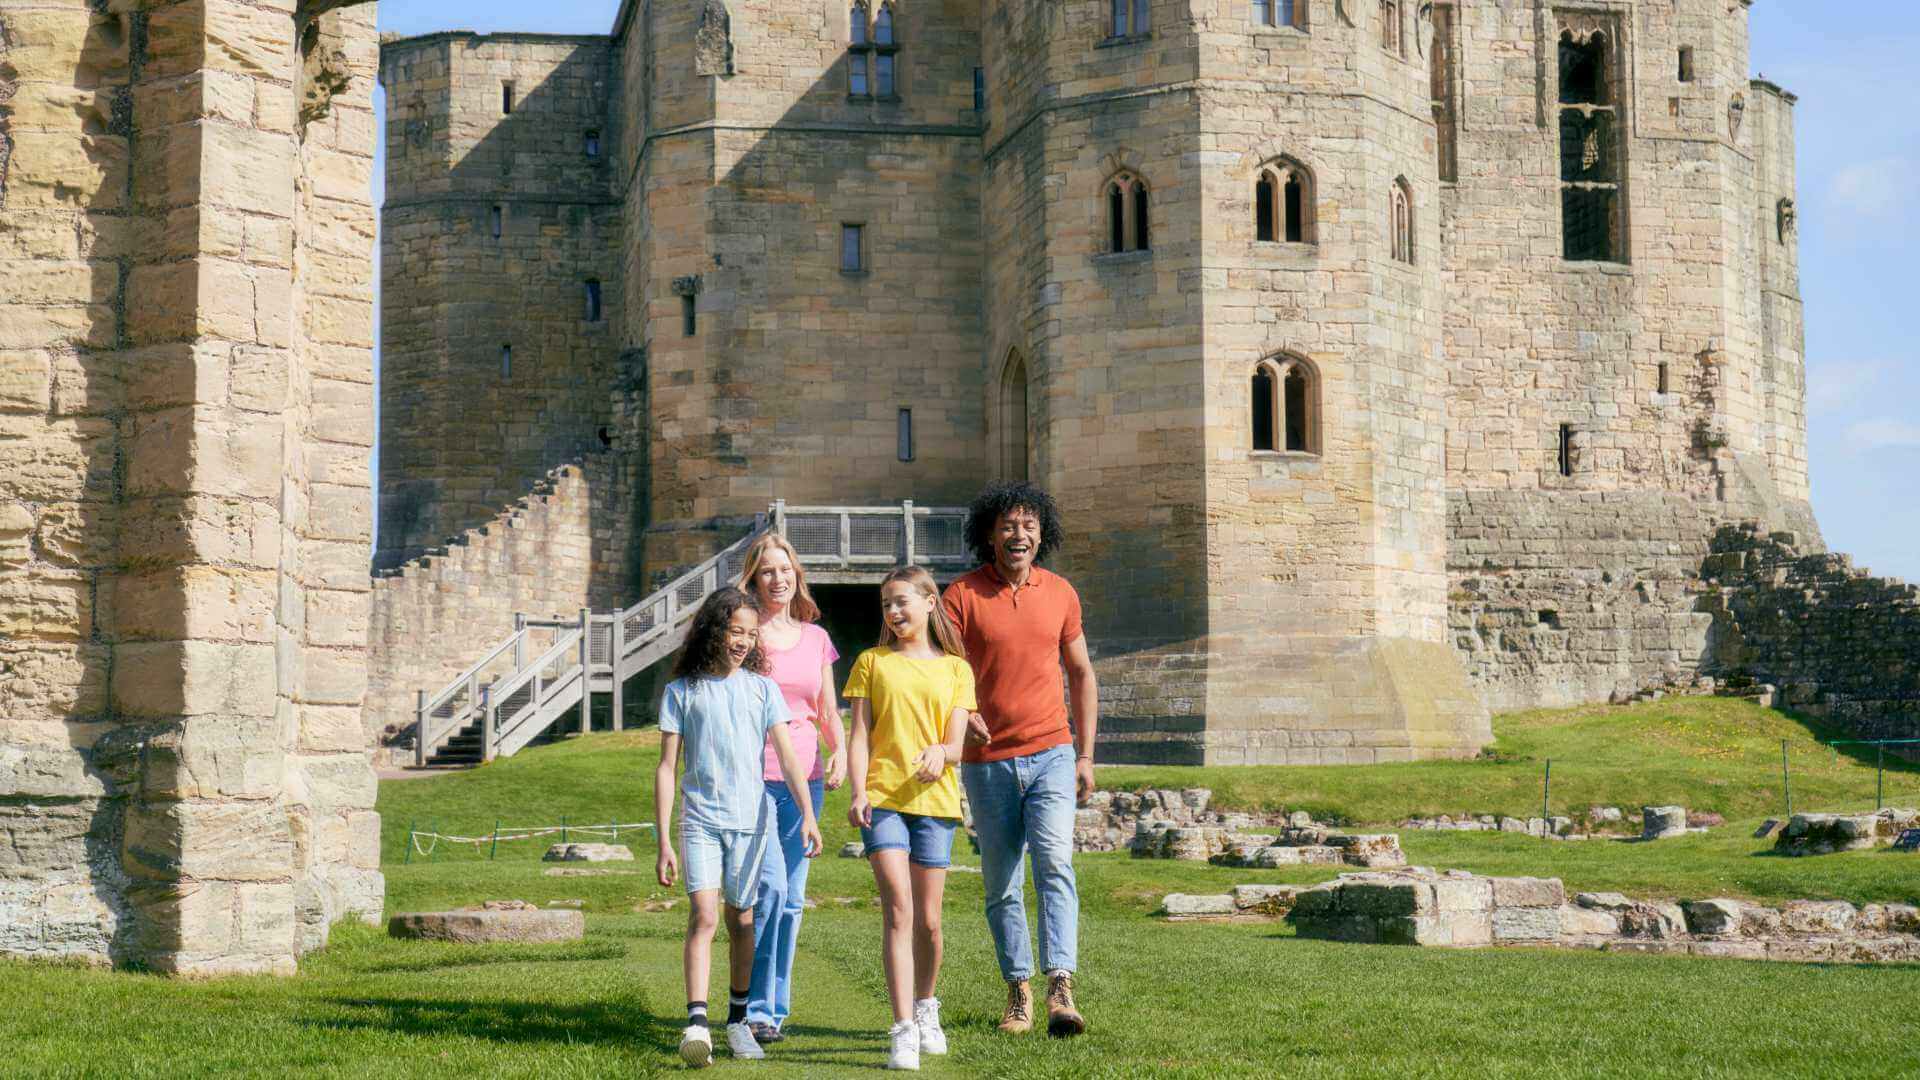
(1018, 1018)
(1063, 1020)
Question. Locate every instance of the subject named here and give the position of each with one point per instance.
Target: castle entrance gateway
(548, 671)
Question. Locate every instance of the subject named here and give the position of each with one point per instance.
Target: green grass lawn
(1189, 1000)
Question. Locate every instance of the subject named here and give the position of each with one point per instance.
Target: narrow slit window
(1566, 449)
(1390, 25)
(979, 89)
(1296, 388)
(1663, 384)
(906, 434)
(689, 318)
(1686, 63)
(851, 254)
(506, 99)
(593, 144)
(1296, 211)
(1263, 12)
(883, 75)
(1140, 10)
(506, 361)
(593, 301)
(883, 25)
(496, 220)
(857, 74)
(1263, 208)
(1117, 216)
(1140, 218)
(857, 25)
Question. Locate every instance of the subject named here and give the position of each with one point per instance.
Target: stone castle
(1391, 361)
(1394, 363)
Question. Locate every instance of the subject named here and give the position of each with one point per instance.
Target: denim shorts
(724, 859)
(928, 841)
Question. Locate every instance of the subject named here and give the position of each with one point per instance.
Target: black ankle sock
(737, 1007)
(696, 1014)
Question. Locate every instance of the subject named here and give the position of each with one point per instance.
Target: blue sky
(1859, 150)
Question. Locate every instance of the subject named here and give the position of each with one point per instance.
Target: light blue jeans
(776, 914)
(1025, 806)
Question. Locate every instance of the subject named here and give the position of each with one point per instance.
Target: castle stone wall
(183, 522)
(566, 546)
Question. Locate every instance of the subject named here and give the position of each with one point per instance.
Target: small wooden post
(489, 724)
(1786, 780)
(586, 670)
(617, 646)
(906, 513)
(519, 640)
(419, 729)
(491, 851)
(563, 828)
(1546, 794)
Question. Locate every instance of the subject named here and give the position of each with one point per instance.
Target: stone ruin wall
(566, 546)
(185, 392)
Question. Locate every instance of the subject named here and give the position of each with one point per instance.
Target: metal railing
(513, 704)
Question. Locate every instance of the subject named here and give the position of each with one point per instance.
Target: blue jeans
(776, 914)
(1022, 806)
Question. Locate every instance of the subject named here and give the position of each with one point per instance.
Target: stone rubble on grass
(496, 920)
(1660, 822)
(1308, 845)
(1112, 820)
(1556, 827)
(853, 849)
(588, 871)
(1824, 834)
(588, 853)
(1457, 908)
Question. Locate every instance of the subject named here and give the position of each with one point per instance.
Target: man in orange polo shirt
(1025, 769)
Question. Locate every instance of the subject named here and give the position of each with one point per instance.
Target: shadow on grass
(614, 1022)
(465, 958)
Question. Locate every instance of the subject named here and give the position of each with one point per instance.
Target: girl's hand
(860, 813)
(810, 836)
(836, 771)
(667, 867)
(931, 762)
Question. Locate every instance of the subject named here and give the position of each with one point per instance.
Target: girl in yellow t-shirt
(911, 695)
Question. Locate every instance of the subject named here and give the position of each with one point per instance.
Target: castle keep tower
(1391, 359)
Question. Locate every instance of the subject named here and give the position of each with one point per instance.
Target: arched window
(1285, 405)
(872, 53)
(857, 25)
(1127, 217)
(1592, 203)
(1400, 216)
(883, 25)
(1283, 202)
(1013, 419)
(1390, 25)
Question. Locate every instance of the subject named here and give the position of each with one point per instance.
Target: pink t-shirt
(797, 672)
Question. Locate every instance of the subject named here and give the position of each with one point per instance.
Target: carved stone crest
(1736, 114)
(1789, 219)
(1423, 30)
(687, 286)
(713, 43)
(1345, 10)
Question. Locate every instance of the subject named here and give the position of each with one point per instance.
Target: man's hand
(667, 868)
(977, 733)
(810, 836)
(930, 763)
(859, 813)
(836, 771)
(1083, 785)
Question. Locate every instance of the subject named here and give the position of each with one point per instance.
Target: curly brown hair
(705, 652)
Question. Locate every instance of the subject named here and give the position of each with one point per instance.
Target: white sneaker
(696, 1046)
(926, 1017)
(905, 1052)
(741, 1043)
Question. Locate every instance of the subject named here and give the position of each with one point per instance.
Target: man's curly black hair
(705, 652)
(1007, 495)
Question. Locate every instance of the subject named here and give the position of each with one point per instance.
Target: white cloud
(1884, 433)
(1870, 189)
(1832, 385)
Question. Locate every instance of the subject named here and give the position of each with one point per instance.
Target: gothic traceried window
(1285, 405)
(1401, 220)
(1127, 214)
(1390, 26)
(1283, 202)
(873, 53)
(1128, 18)
(1440, 89)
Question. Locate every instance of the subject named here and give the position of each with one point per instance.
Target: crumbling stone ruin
(186, 394)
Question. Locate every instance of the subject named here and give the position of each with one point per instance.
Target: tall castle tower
(1390, 359)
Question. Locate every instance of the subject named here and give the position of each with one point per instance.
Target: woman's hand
(930, 763)
(836, 770)
(859, 812)
(810, 836)
(667, 867)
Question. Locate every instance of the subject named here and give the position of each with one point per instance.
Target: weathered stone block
(1528, 892)
(588, 853)
(479, 927)
(1659, 822)
(1181, 905)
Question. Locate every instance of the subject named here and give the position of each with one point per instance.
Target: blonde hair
(801, 607)
(944, 631)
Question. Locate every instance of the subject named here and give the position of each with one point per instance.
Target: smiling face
(905, 610)
(1016, 540)
(743, 632)
(774, 580)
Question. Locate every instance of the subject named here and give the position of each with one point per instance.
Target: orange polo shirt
(1013, 638)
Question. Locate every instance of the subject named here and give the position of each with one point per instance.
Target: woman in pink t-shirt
(802, 665)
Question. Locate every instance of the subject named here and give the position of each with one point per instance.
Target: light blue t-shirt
(724, 724)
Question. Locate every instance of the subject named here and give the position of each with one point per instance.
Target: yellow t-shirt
(910, 700)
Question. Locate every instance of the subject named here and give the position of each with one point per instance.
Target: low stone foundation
(1824, 834)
